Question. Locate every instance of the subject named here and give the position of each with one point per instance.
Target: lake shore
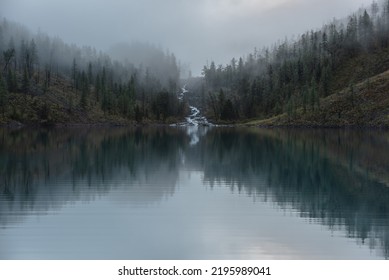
(260, 124)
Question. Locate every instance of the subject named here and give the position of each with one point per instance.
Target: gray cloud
(196, 31)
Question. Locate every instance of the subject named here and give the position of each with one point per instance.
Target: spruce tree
(3, 97)
(25, 82)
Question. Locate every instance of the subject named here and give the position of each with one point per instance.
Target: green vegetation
(362, 104)
(332, 77)
(45, 81)
(335, 76)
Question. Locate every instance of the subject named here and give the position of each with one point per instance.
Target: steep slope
(363, 104)
(293, 82)
(60, 104)
(45, 80)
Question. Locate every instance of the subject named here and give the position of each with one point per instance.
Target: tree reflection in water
(338, 178)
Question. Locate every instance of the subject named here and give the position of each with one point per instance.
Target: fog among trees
(45, 80)
(141, 83)
(293, 74)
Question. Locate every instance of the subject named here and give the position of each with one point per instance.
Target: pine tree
(25, 82)
(221, 100)
(8, 55)
(97, 87)
(74, 73)
(90, 73)
(131, 95)
(12, 83)
(313, 96)
(31, 58)
(365, 30)
(84, 90)
(3, 97)
(47, 77)
(289, 109)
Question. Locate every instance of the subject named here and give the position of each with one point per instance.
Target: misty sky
(197, 31)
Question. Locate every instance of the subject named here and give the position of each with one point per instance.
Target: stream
(195, 118)
(196, 124)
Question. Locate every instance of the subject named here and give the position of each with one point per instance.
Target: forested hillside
(333, 76)
(295, 79)
(44, 80)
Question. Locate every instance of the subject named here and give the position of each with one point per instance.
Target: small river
(216, 193)
(195, 123)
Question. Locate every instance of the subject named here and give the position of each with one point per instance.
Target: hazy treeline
(150, 59)
(36, 64)
(297, 73)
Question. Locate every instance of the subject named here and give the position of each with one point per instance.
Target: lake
(194, 193)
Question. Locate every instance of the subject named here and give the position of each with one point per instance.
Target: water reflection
(41, 169)
(335, 178)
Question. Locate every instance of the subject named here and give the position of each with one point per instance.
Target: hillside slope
(44, 80)
(60, 104)
(363, 104)
(293, 81)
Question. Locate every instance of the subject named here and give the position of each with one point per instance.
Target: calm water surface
(189, 193)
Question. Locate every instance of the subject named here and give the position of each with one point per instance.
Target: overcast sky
(197, 31)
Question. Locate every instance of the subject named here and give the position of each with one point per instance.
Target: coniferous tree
(74, 73)
(12, 83)
(84, 90)
(303, 71)
(47, 80)
(90, 73)
(3, 96)
(8, 55)
(25, 82)
(111, 81)
(31, 58)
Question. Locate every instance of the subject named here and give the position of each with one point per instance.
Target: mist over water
(154, 194)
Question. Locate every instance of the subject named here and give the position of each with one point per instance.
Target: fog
(196, 31)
